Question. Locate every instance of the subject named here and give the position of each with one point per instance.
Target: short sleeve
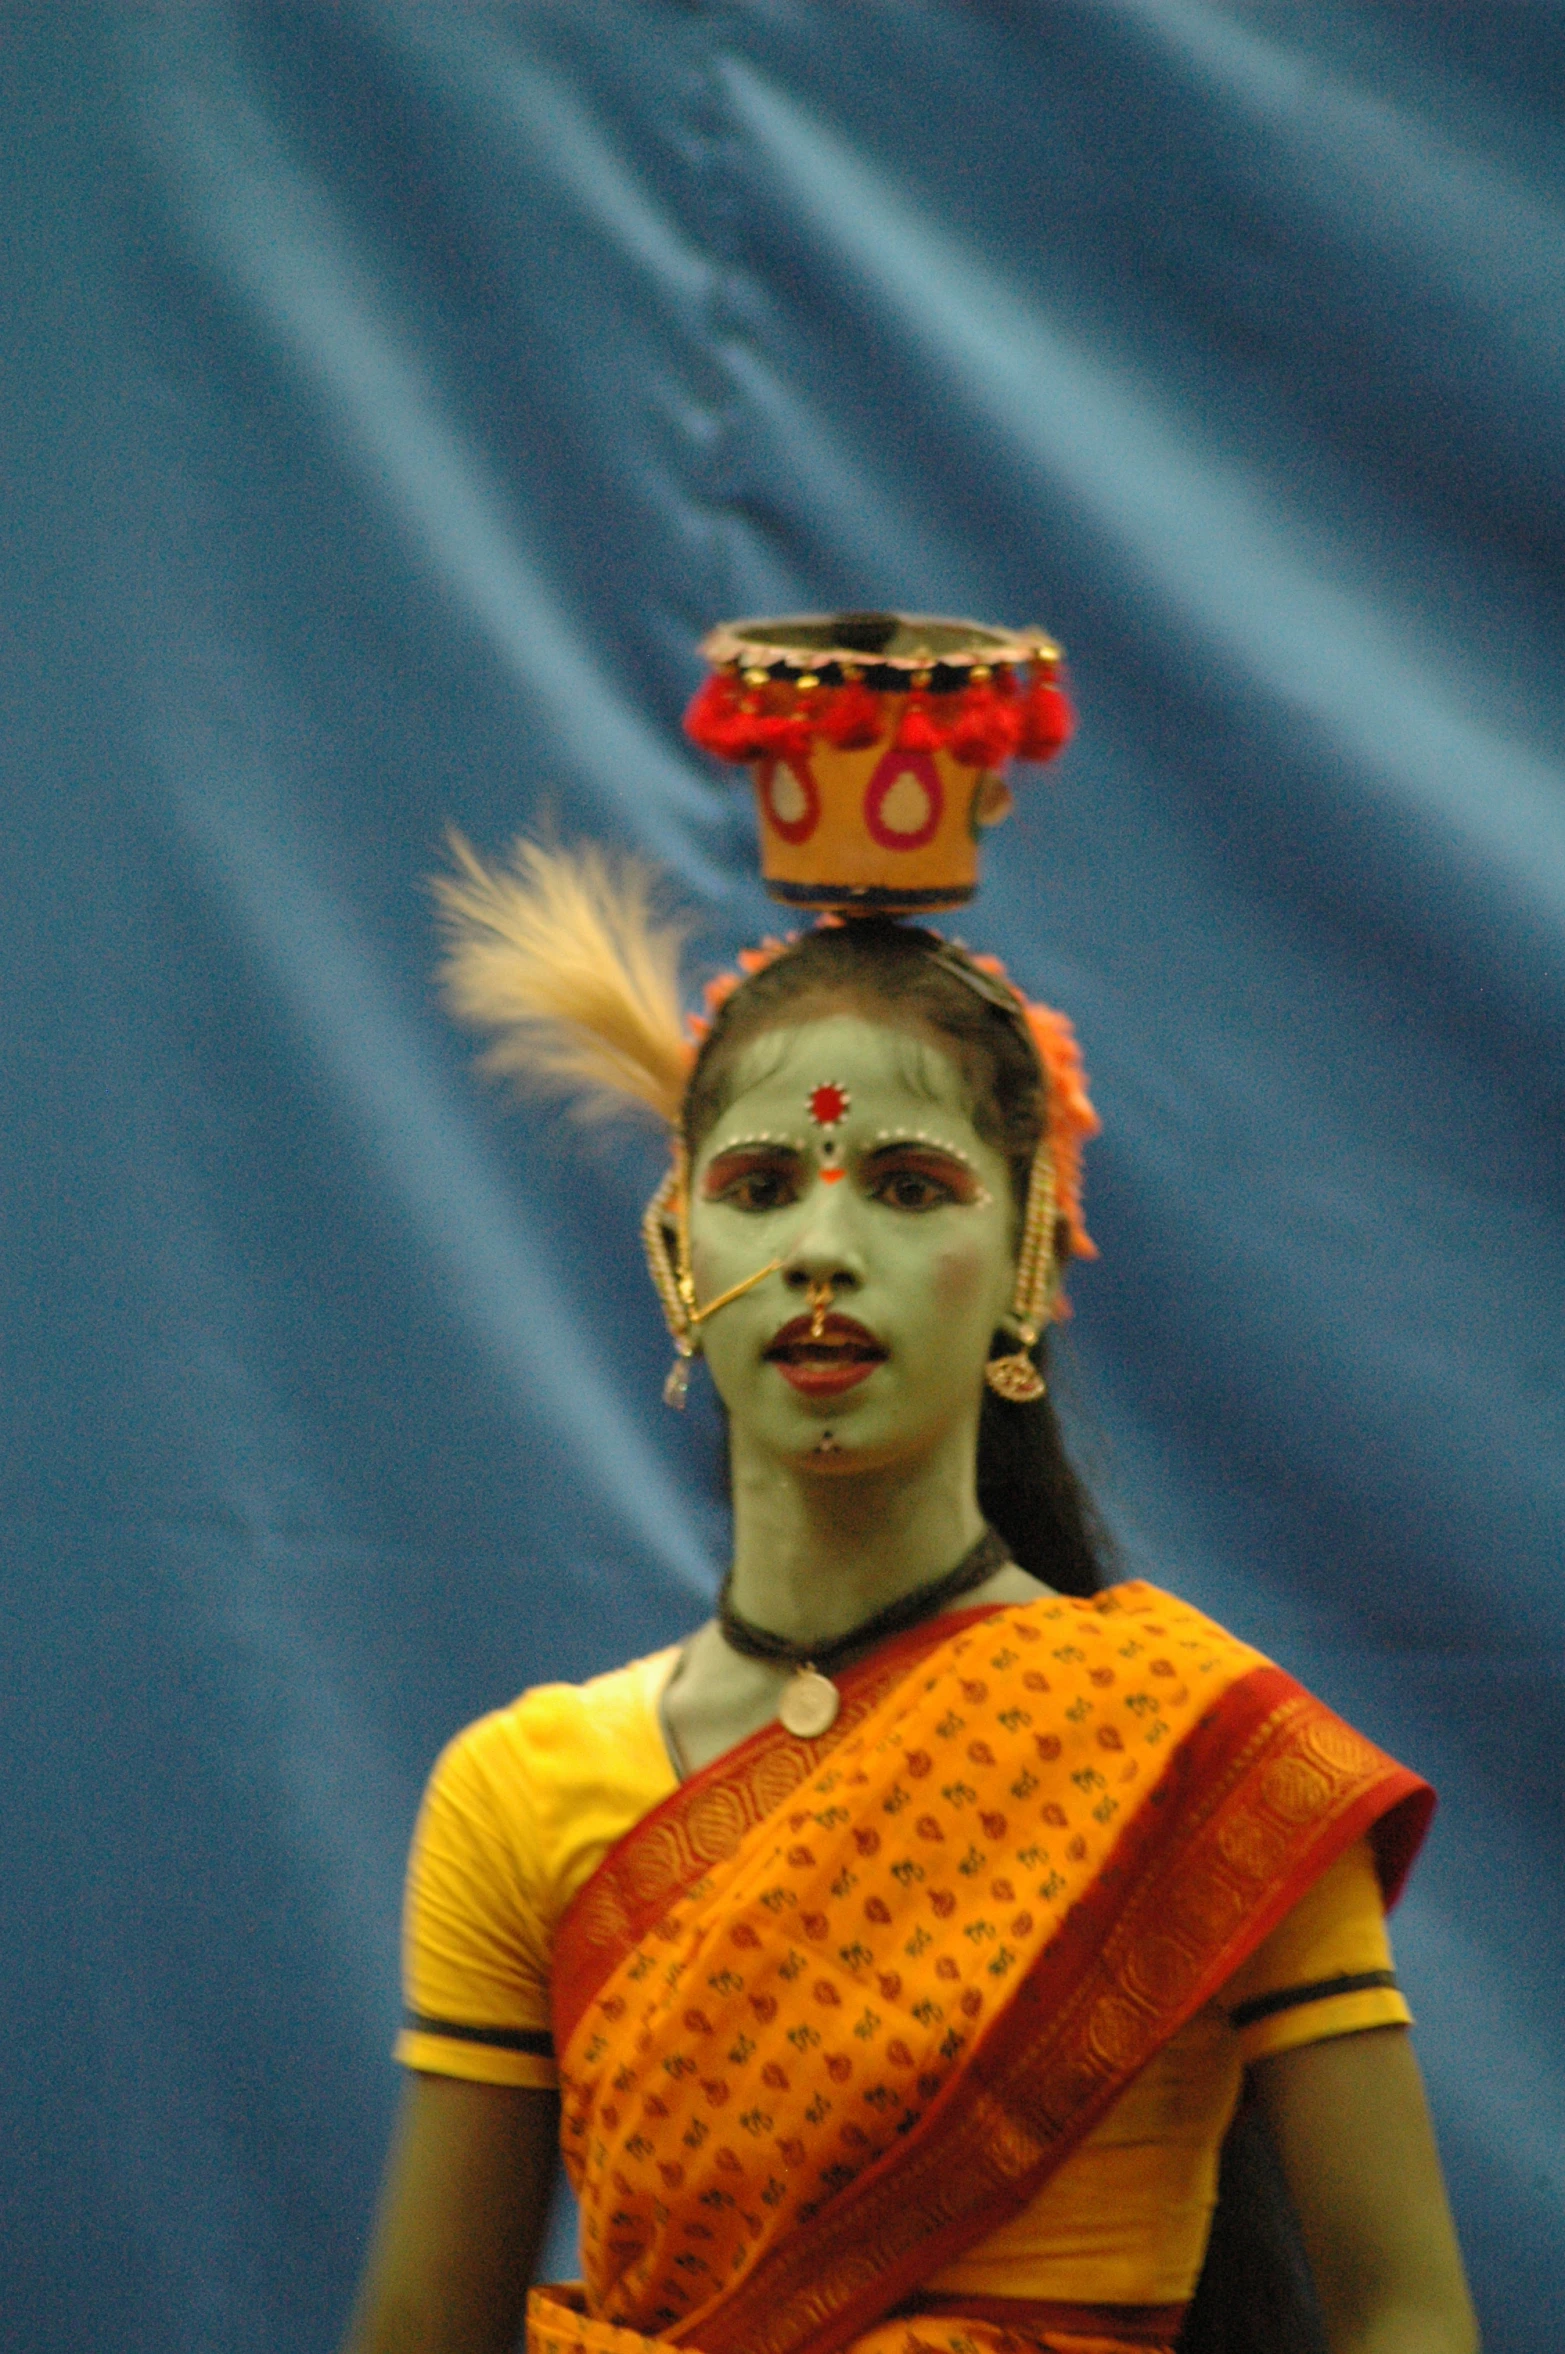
(1325, 1970)
(475, 1934)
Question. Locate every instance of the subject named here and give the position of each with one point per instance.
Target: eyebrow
(889, 1140)
(764, 1141)
(900, 1139)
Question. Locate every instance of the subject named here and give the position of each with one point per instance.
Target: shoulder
(1287, 1759)
(1153, 1631)
(554, 1732)
(559, 1755)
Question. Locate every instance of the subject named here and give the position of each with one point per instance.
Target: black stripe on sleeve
(1289, 1998)
(501, 2039)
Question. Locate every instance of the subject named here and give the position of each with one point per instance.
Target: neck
(816, 1552)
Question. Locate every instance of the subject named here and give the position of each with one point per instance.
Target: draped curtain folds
(395, 393)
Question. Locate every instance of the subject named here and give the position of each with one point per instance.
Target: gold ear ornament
(1015, 1376)
(665, 1237)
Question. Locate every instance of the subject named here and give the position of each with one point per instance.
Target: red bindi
(828, 1104)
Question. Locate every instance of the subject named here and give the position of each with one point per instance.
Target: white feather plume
(559, 956)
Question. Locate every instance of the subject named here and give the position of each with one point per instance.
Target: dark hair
(1254, 2295)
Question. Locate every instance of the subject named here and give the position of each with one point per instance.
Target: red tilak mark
(828, 1104)
(833, 1176)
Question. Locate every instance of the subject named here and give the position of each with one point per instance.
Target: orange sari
(835, 2010)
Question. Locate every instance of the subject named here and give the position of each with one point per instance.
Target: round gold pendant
(809, 1704)
(1016, 1378)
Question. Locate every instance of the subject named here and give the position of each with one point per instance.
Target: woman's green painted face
(847, 1150)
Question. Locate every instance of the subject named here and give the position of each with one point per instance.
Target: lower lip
(827, 1381)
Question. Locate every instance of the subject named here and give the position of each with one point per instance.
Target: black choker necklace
(810, 1702)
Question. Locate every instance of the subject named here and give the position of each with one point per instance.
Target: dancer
(890, 1957)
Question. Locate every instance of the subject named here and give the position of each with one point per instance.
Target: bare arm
(462, 2214)
(1352, 2129)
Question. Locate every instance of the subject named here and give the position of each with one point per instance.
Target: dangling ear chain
(1015, 1376)
(672, 1279)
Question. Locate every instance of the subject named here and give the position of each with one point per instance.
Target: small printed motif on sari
(825, 2021)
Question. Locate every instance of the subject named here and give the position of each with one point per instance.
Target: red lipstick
(823, 1362)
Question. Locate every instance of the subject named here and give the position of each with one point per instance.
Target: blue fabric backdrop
(393, 394)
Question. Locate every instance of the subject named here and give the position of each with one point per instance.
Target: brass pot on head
(878, 744)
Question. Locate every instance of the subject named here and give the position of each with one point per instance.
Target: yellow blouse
(525, 1803)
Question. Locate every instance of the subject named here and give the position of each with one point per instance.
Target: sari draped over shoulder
(835, 2010)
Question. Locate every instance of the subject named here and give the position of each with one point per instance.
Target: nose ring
(822, 1294)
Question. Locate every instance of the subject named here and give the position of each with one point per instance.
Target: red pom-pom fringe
(1047, 721)
(726, 723)
(787, 734)
(986, 729)
(991, 721)
(711, 713)
(744, 737)
(916, 731)
(850, 718)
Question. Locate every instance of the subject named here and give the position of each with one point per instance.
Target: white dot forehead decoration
(922, 1136)
(761, 1136)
